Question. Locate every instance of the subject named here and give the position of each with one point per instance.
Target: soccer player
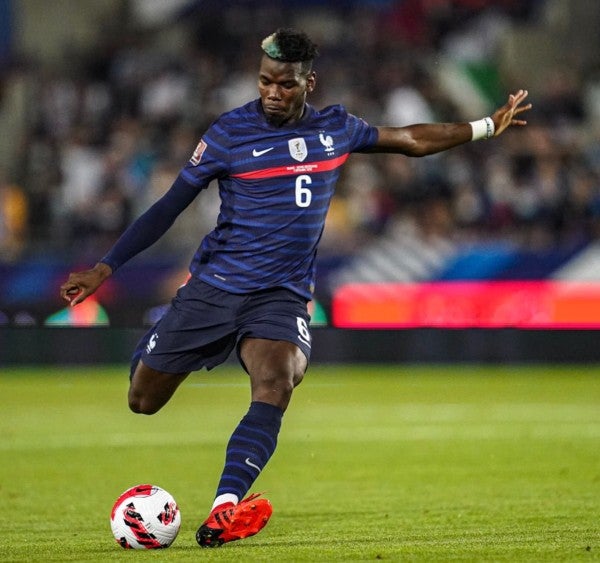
(276, 160)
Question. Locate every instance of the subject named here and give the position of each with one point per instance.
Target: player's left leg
(274, 344)
(275, 368)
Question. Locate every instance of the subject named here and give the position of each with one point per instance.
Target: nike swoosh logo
(250, 464)
(260, 153)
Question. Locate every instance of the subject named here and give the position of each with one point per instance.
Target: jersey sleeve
(150, 226)
(362, 135)
(210, 159)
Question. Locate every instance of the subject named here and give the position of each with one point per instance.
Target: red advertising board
(525, 304)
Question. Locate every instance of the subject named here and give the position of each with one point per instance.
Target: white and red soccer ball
(145, 517)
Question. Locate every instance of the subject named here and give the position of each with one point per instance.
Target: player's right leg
(195, 332)
(150, 389)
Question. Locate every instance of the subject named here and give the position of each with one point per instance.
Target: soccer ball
(145, 517)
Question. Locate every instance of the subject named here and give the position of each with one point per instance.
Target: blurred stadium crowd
(109, 127)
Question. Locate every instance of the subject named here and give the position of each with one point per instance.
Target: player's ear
(311, 81)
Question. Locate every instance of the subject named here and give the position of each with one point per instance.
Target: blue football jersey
(275, 185)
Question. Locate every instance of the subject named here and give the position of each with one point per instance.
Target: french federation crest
(298, 149)
(327, 142)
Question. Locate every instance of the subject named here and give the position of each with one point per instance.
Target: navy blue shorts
(204, 324)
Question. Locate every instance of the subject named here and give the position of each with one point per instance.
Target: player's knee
(297, 377)
(141, 405)
(276, 386)
(282, 382)
(286, 378)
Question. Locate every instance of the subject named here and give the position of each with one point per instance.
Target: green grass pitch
(400, 463)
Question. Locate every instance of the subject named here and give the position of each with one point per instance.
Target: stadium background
(102, 104)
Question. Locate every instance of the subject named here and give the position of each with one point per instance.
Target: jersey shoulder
(333, 113)
(238, 117)
(338, 116)
(235, 126)
(338, 120)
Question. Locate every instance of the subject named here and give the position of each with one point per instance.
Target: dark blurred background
(102, 102)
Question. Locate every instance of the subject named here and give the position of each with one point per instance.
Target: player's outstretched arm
(142, 233)
(430, 138)
(82, 284)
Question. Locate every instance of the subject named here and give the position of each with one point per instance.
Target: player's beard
(278, 116)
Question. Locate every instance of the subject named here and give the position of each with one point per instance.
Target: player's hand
(506, 115)
(82, 284)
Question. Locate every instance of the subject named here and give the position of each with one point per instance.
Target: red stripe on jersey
(321, 166)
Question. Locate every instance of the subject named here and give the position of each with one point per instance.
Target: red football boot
(229, 522)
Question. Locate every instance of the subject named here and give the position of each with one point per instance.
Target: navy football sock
(250, 448)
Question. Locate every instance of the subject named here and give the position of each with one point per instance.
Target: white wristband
(482, 129)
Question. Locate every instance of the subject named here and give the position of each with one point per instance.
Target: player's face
(283, 88)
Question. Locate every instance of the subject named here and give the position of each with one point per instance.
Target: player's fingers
(69, 290)
(79, 297)
(66, 292)
(523, 108)
(515, 99)
(521, 94)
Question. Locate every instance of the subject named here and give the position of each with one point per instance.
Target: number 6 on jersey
(303, 194)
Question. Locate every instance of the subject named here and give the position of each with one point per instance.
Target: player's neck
(291, 120)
